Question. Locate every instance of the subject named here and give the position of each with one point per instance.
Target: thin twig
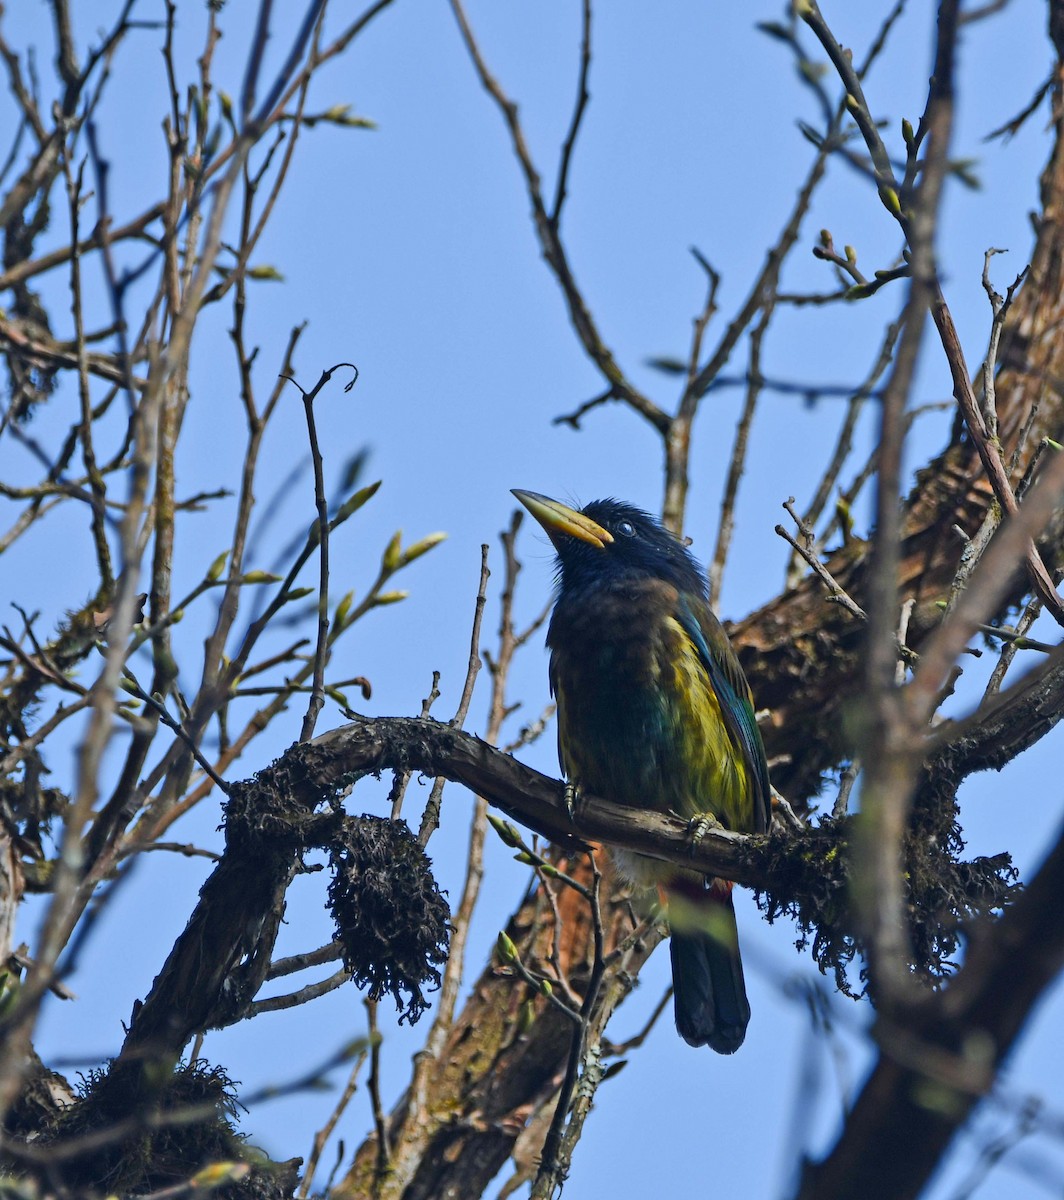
(321, 1137)
(380, 1121)
(321, 503)
(737, 462)
(836, 593)
(430, 818)
(584, 1066)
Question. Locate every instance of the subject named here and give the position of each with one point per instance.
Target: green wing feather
(733, 694)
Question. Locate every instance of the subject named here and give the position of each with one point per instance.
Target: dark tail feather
(709, 991)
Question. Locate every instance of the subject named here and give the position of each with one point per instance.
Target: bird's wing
(733, 694)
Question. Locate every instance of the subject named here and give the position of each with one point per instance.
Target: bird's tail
(709, 992)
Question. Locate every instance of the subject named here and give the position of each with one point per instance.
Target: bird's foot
(573, 800)
(698, 827)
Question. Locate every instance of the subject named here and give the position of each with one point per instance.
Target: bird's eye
(627, 528)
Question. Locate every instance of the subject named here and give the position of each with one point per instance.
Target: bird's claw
(573, 798)
(698, 827)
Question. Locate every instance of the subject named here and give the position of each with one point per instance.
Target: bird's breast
(638, 720)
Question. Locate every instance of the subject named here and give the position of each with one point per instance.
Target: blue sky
(409, 250)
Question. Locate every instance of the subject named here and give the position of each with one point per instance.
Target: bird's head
(609, 541)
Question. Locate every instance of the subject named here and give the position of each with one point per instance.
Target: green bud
(390, 558)
(890, 200)
(260, 577)
(355, 501)
(527, 1016)
(342, 609)
(506, 831)
(390, 597)
(422, 547)
(214, 573)
(505, 946)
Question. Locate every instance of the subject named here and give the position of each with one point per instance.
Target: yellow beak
(560, 520)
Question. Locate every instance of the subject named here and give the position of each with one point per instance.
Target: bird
(654, 712)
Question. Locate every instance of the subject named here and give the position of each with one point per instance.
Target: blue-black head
(609, 542)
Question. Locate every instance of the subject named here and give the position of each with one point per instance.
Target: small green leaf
(810, 134)
(421, 547)
(812, 70)
(775, 30)
(964, 170)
